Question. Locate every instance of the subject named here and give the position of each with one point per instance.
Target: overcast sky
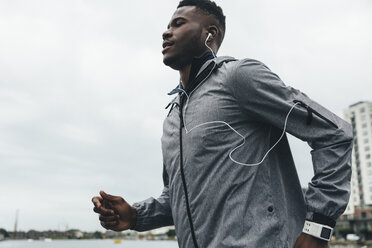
(83, 90)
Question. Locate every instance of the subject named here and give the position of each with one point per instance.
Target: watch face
(326, 233)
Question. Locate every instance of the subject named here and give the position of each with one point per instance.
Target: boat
(117, 241)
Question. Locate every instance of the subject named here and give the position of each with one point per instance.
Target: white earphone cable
(227, 124)
(242, 136)
(209, 34)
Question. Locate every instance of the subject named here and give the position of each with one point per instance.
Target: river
(105, 244)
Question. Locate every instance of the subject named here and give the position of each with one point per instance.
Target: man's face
(183, 40)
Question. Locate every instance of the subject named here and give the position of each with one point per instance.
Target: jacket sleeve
(262, 96)
(154, 213)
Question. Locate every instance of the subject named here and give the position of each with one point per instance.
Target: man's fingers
(103, 211)
(109, 224)
(109, 197)
(97, 201)
(109, 218)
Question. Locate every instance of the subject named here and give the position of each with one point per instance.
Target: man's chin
(171, 62)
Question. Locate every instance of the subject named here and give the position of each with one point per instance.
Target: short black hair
(211, 8)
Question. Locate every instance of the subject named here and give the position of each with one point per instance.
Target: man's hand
(114, 212)
(308, 241)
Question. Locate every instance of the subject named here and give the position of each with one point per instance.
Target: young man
(229, 176)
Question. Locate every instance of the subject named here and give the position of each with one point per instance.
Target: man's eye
(179, 24)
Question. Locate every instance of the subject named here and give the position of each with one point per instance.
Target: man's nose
(167, 34)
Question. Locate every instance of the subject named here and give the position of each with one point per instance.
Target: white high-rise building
(360, 117)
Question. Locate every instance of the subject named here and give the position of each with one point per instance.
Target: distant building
(359, 115)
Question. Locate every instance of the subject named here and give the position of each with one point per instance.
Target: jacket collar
(198, 62)
(218, 61)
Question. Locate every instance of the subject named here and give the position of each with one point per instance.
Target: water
(87, 244)
(106, 244)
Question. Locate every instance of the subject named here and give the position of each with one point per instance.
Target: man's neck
(189, 72)
(185, 75)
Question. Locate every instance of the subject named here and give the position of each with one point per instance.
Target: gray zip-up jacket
(216, 202)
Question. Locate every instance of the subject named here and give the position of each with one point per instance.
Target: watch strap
(321, 219)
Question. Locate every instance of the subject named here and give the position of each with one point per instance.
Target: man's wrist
(306, 240)
(133, 218)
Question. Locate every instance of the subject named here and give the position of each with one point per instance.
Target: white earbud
(209, 35)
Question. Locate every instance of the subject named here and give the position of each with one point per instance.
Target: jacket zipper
(310, 111)
(194, 84)
(184, 179)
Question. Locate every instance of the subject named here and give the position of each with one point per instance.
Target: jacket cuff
(140, 217)
(320, 219)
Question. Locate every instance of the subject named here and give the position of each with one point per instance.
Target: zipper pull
(181, 119)
(309, 118)
(180, 107)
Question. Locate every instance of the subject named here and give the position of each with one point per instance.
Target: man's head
(188, 30)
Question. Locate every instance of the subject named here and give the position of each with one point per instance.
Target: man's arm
(263, 96)
(116, 214)
(154, 213)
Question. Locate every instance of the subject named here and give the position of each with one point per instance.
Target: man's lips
(167, 45)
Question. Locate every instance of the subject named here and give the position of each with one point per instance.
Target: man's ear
(213, 30)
